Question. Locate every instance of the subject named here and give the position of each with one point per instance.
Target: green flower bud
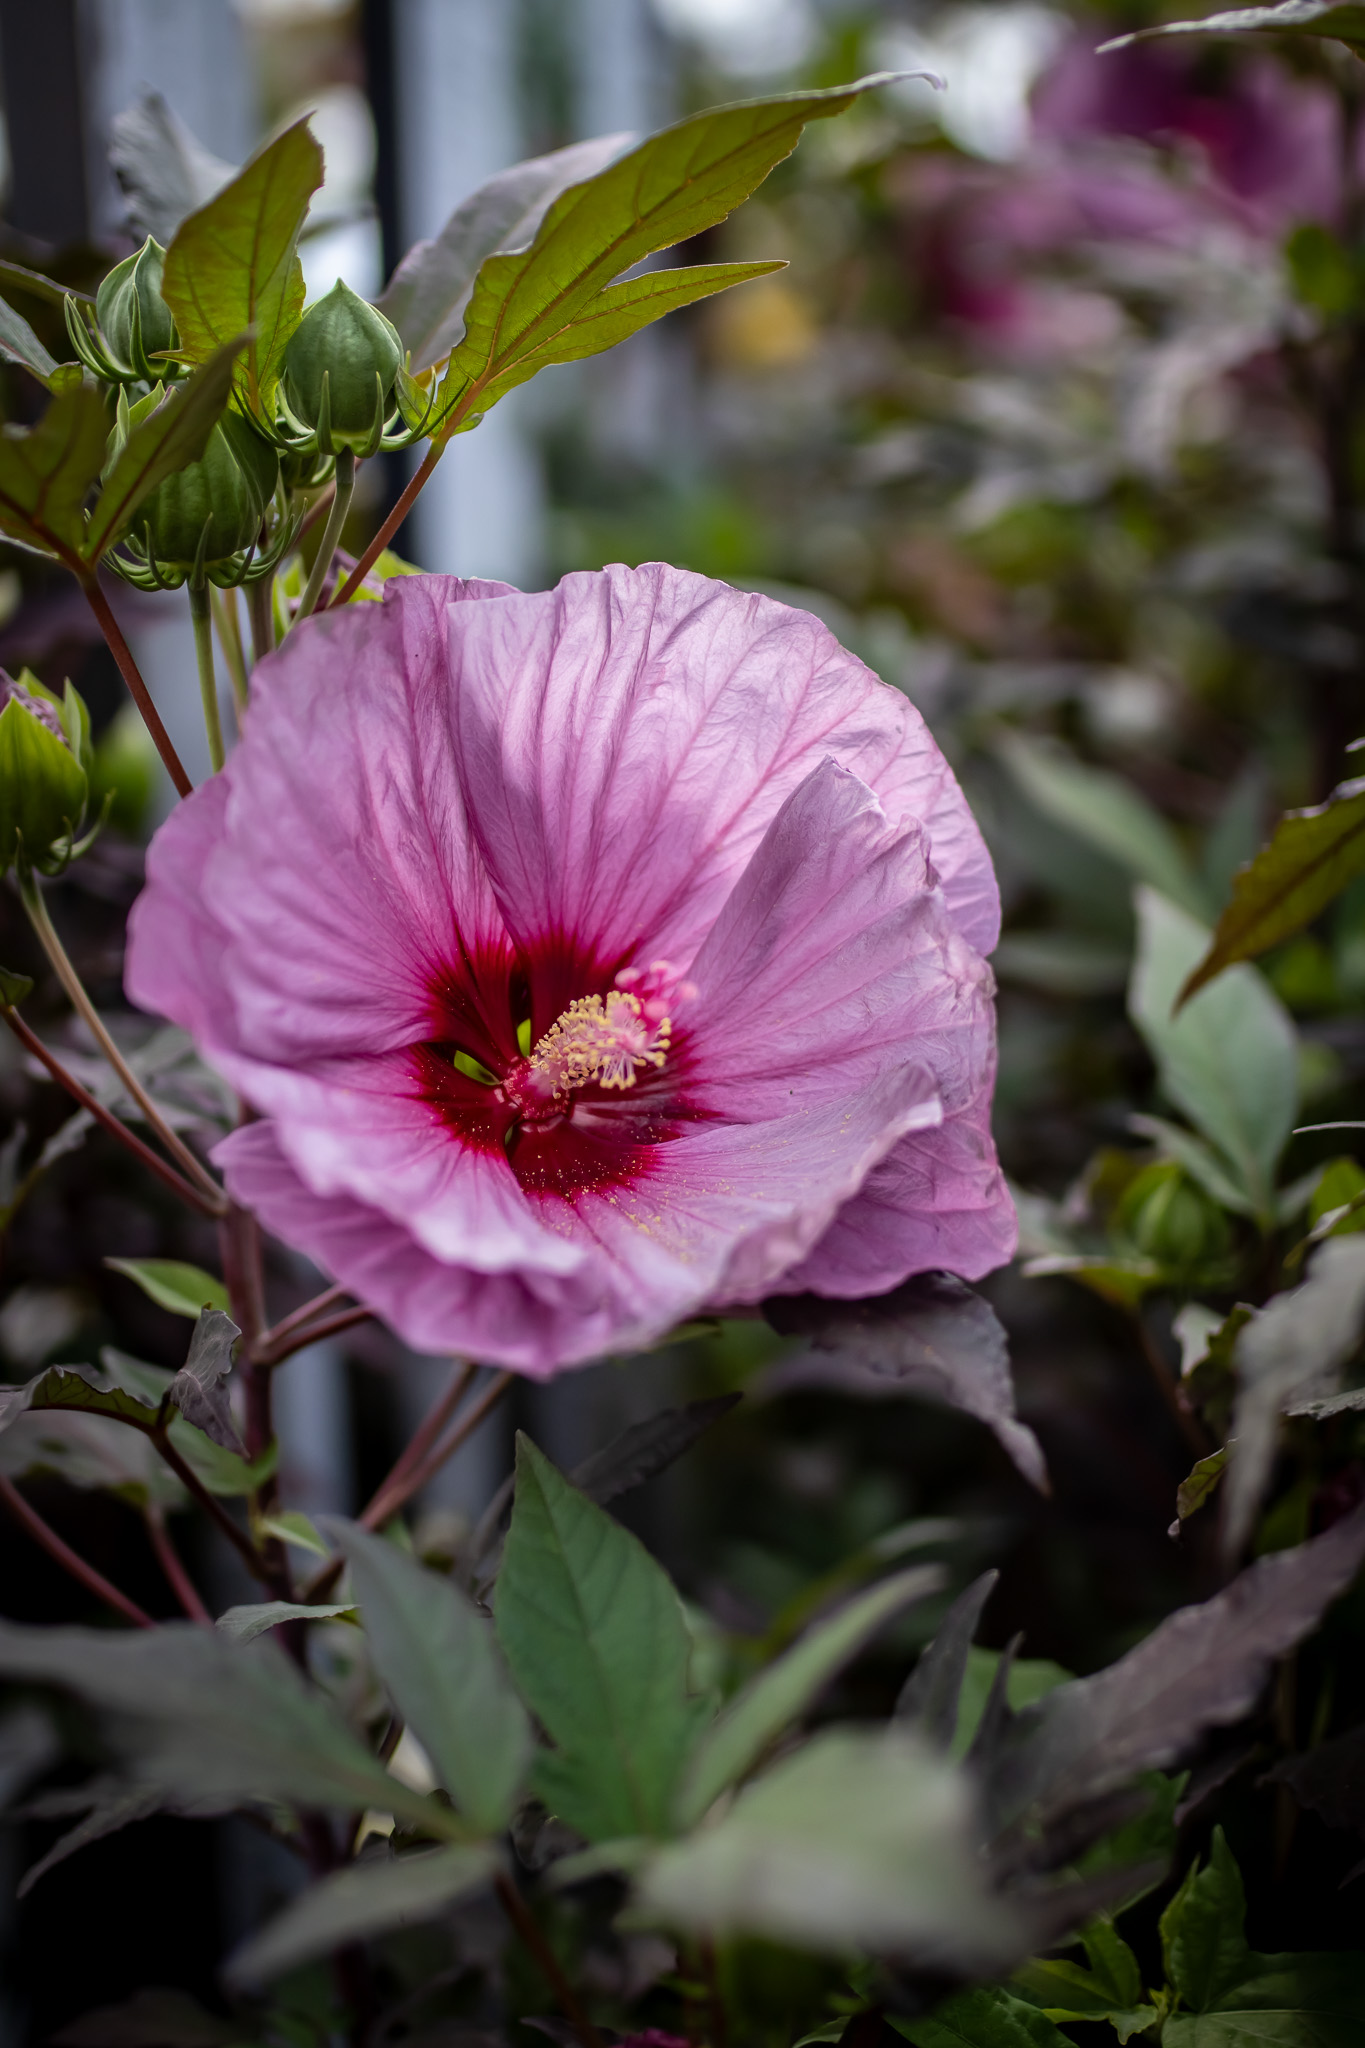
(339, 371)
(212, 510)
(43, 781)
(134, 320)
(1168, 1218)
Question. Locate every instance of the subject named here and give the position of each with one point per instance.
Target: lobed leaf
(46, 473)
(987, 2017)
(164, 172)
(644, 1449)
(1330, 1779)
(81, 1388)
(368, 1899)
(444, 1672)
(596, 1639)
(1343, 23)
(933, 1337)
(427, 295)
(233, 265)
(1228, 1059)
(769, 1703)
(197, 1389)
(1203, 1667)
(173, 436)
(1310, 859)
(669, 188)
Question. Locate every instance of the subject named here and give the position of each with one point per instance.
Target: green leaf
(1111, 1989)
(1202, 1930)
(860, 1841)
(622, 310)
(1028, 1680)
(930, 1700)
(234, 264)
(353, 1905)
(1199, 1160)
(986, 2018)
(670, 188)
(1192, 1493)
(596, 1639)
(14, 988)
(441, 1664)
(244, 1624)
(1122, 1281)
(737, 1738)
(171, 1284)
(427, 295)
(295, 1529)
(1288, 2010)
(19, 344)
(1229, 1059)
(1310, 858)
(78, 1388)
(1343, 23)
(205, 1718)
(1107, 813)
(46, 473)
(168, 440)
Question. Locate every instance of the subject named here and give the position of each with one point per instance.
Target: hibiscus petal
(532, 1322)
(626, 739)
(346, 874)
(832, 955)
(174, 961)
(937, 1203)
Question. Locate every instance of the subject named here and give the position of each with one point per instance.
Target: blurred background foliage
(1056, 418)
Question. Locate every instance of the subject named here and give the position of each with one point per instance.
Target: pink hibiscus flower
(593, 958)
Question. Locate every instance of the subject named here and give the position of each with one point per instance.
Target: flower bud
(43, 782)
(339, 371)
(212, 510)
(134, 320)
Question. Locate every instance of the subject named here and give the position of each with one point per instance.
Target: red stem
(93, 1581)
(517, 1911)
(331, 1297)
(141, 696)
(431, 1425)
(311, 1333)
(391, 525)
(168, 1557)
(394, 1494)
(213, 1507)
(105, 1117)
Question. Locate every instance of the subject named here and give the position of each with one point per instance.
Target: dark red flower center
(571, 1067)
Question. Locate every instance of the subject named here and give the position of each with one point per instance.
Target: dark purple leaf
(934, 1338)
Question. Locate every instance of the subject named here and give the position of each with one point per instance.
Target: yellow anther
(602, 1039)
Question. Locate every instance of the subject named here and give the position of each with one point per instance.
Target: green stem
(202, 616)
(331, 533)
(397, 515)
(261, 608)
(224, 607)
(85, 1009)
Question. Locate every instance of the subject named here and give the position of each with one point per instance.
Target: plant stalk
(272, 1354)
(223, 604)
(390, 526)
(106, 1119)
(395, 1494)
(85, 1009)
(212, 1506)
(547, 1962)
(202, 616)
(331, 533)
(260, 606)
(56, 1547)
(168, 1557)
(137, 689)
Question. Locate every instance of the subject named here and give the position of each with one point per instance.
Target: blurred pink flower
(593, 958)
(1125, 148)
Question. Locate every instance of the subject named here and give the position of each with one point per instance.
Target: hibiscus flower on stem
(591, 960)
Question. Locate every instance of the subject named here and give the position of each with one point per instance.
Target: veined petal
(626, 739)
(346, 874)
(832, 954)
